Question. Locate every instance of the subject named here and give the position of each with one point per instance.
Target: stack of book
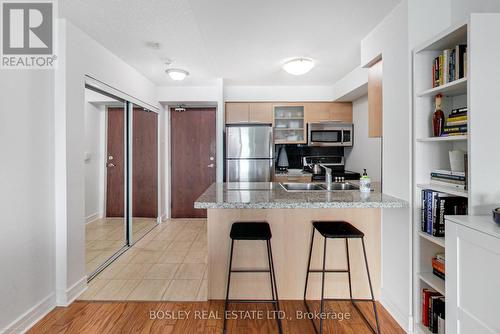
(449, 66)
(438, 265)
(456, 123)
(435, 206)
(433, 311)
(447, 178)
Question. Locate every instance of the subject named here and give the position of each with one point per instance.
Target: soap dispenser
(365, 183)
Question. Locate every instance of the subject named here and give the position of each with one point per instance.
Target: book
(441, 257)
(447, 184)
(431, 310)
(441, 323)
(448, 176)
(447, 205)
(455, 123)
(450, 129)
(441, 81)
(438, 273)
(423, 218)
(448, 172)
(460, 58)
(436, 178)
(438, 265)
(437, 309)
(457, 118)
(446, 66)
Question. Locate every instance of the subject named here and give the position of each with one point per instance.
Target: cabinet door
(261, 112)
(375, 100)
(237, 112)
(341, 111)
(472, 274)
(317, 112)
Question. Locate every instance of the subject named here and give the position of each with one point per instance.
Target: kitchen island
(289, 215)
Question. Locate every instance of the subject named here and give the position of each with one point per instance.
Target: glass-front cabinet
(289, 124)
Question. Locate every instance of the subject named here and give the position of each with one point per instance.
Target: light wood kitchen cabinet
(292, 178)
(375, 100)
(237, 112)
(243, 112)
(341, 111)
(261, 112)
(328, 111)
(317, 112)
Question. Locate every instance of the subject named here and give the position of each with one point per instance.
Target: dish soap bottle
(365, 183)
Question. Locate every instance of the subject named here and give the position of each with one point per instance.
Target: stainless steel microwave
(330, 134)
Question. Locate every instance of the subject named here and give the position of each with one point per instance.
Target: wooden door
(145, 164)
(115, 163)
(193, 159)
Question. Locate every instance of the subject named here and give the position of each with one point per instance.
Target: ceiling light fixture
(298, 66)
(177, 74)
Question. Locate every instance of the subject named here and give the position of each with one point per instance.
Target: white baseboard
(404, 320)
(65, 298)
(92, 217)
(31, 317)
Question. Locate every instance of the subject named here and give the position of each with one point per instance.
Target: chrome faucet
(328, 178)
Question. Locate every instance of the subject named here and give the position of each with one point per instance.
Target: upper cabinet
(375, 100)
(288, 119)
(261, 112)
(328, 111)
(242, 112)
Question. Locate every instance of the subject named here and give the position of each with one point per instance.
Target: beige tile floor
(168, 264)
(104, 237)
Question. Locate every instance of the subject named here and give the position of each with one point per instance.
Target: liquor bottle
(438, 117)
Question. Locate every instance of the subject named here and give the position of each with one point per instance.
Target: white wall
(94, 160)
(26, 197)
(390, 40)
(81, 56)
(366, 152)
(278, 93)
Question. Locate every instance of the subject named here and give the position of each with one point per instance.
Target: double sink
(317, 186)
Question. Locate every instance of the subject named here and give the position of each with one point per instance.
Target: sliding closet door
(105, 179)
(144, 171)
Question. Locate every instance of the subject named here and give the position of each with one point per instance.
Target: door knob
(111, 164)
(210, 166)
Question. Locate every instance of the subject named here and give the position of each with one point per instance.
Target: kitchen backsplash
(296, 152)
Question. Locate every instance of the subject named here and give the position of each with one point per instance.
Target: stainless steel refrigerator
(249, 152)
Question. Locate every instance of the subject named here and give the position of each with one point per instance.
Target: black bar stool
(338, 230)
(253, 231)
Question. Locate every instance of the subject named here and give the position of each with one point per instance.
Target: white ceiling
(243, 41)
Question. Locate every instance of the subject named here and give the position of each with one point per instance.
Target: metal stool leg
(274, 287)
(309, 263)
(348, 267)
(322, 308)
(228, 284)
(371, 289)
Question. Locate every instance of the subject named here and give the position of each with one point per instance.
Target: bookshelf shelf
(437, 240)
(444, 189)
(433, 281)
(456, 34)
(443, 139)
(454, 88)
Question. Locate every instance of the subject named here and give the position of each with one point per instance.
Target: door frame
(168, 155)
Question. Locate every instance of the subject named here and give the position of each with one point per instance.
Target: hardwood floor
(134, 317)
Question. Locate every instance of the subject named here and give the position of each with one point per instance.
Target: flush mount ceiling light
(177, 74)
(298, 66)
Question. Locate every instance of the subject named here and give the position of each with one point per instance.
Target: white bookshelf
(431, 153)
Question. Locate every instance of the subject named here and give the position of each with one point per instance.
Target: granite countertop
(269, 195)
